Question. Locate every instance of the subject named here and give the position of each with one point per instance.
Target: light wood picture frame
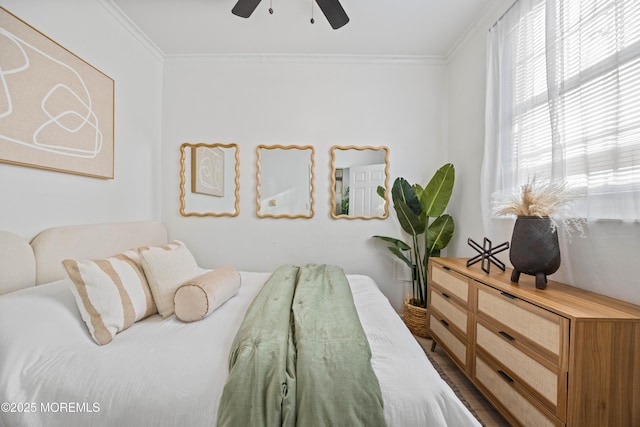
(285, 181)
(202, 204)
(356, 174)
(56, 110)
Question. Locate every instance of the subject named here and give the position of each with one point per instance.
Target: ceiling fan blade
(244, 8)
(334, 13)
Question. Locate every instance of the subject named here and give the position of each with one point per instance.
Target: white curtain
(510, 60)
(563, 103)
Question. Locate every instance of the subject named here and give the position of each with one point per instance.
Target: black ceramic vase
(534, 249)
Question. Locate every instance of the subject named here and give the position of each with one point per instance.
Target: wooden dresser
(553, 357)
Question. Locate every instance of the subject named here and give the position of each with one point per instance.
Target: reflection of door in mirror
(356, 174)
(285, 181)
(363, 185)
(208, 170)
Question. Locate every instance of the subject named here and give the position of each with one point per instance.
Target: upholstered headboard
(89, 242)
(17, 263)
(23, 264)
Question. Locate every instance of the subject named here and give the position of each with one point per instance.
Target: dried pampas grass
(536, 199)
(544, 199)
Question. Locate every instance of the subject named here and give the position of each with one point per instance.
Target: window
(563, 102)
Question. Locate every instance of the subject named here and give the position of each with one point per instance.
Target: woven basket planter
(416, 319)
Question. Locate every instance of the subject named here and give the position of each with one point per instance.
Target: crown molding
(133, 29)
(489, 14)
(145, 41)
(310, 58)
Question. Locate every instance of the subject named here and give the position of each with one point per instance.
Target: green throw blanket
(301, 356)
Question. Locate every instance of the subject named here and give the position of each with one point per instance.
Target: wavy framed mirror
(209, 179)
(284, 181)
(356, 173)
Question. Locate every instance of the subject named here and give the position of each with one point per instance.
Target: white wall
(427, 113)
(284, 100)
(32, 199)
(466, 141)
(604, 262)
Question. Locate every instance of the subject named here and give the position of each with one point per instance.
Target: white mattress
(168, 373)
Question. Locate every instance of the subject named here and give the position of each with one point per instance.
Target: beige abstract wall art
(207, 171)
(56, 110)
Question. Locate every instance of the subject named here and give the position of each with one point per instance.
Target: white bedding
(168, 373)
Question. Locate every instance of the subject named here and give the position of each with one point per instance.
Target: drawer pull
(507, 336)
(446, 295)
(446, 268)
(506, 377)
(444, 322)
(508, 295)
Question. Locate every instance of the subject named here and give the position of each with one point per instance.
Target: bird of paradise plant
(420, 212)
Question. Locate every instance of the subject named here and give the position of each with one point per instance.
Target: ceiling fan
(332, 10)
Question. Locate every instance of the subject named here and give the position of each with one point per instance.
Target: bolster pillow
(198, 297)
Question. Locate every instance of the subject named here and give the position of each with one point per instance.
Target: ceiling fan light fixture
(244, 8)
(332, 10)
(334, 13)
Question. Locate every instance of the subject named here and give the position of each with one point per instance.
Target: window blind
(569, 106)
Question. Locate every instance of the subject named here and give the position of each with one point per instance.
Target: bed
(163, 372)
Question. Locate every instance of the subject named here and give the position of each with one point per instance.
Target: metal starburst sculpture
(486, 254)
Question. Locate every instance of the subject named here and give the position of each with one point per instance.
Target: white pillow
(167, 267)
(111, 293)
(198, 297)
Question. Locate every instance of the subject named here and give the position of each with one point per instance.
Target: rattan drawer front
(506, 392)
(452, 282)
(449, 340)
(454, 314)
(537, 376)
(540, 326)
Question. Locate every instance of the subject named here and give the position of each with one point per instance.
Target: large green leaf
(408, 219)
(400, 255)
(397, 248)
(436, 195)
(403, 192)
(381, 190)
(439, 233)
(396, 242)
(417, 188)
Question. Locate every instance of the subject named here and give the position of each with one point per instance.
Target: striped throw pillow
(111, 293)
(167, 268)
